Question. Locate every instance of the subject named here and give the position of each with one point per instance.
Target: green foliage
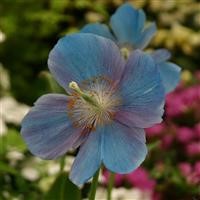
(63, 189)
(12, 140)
(5, 168)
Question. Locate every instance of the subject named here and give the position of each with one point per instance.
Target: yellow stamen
(125, 52)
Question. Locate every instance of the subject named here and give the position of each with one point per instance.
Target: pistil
(88, 98)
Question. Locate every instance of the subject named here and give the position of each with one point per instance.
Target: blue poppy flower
(129, 33)
(110, 102)
(128, 26)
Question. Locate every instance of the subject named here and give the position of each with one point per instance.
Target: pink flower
(118, 178)
(195, 177)
(197, 168)
(191, 173)
(190, 95)
(174, 105)
(167, 141)
(155, 130)
(181, 100)
(185, 168)
(193, 149)
(140, 179)
(185, 134)
(197, 130)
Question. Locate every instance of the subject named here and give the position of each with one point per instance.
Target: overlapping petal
(82, 56)
(142, 91)
(124, 148)
(127, 23)
(47, 129)
(170, 74)
(98, 29)
(161, 55)
(120, 148)
(88, 159)
(145, 36)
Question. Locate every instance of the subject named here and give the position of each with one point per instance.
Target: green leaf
(7, 169)
(63, 189)
(12, 140)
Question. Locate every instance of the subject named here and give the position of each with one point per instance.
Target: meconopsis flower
(130, 33)
(109, 103)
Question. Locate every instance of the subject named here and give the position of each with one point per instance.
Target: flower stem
(94, 186)
(110, 185)
(62, 164)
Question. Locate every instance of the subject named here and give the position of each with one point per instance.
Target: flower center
(94, 104)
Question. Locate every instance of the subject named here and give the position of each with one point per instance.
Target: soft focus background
(28, 31)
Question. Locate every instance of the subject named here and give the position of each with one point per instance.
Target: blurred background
(28, 31)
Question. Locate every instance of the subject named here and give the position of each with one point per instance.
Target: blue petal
(82, 56)
(88, 159)
(46, 128)
(127, 24)
(161, 55)
(142, 92)
(170, 74)
(98, 29)
(145, 37)
(124, 148)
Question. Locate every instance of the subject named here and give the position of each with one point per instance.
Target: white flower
(12, 111)
(123, 194)
(30, 174)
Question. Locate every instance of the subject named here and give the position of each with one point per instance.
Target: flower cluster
(191, 173)
(183, 101)
(180, 105)
(114, 90)
(179, 136)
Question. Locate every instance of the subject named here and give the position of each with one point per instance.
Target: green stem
(62, 164)
(110, 185)
(62, 191)
(94, 186)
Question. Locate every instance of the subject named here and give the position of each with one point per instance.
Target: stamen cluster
(96, 104)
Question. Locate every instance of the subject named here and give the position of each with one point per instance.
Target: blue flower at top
(111, 100)
(127, 24)
(130, 33)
